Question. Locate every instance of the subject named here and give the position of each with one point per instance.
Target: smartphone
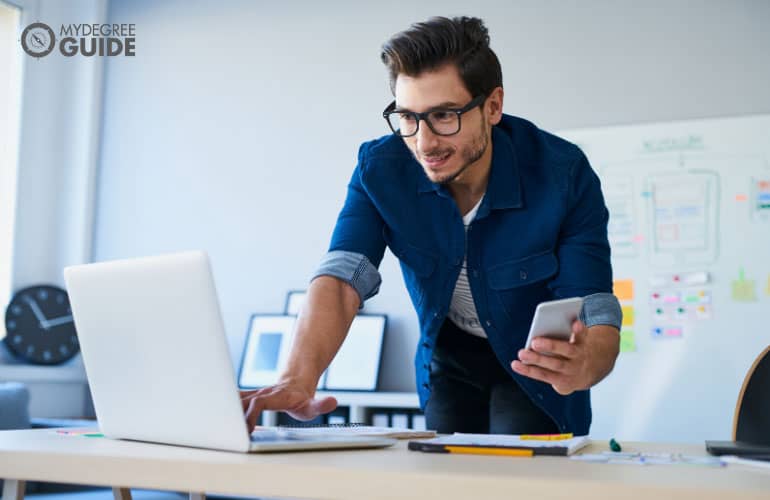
(553, 319)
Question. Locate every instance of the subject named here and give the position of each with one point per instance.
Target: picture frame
(266, 350)
(356, 367)
(294, 301)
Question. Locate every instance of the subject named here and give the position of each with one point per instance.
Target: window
(10, 103)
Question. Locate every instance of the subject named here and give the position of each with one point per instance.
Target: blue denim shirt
(540, 234)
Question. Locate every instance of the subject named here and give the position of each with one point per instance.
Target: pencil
(478, 450)
(546, 437)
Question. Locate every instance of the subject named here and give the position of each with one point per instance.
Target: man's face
(443, 158)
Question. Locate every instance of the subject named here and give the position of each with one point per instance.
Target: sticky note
(667, 331)
(628, 315)
(627, 342)
(744, 290)
(703, 312)
(623, 289)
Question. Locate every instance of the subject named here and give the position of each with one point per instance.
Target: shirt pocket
(519, 285)
(417, 265)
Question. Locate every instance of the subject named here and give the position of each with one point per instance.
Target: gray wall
(236, 126)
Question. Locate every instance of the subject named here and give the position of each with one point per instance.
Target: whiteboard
(689, 229)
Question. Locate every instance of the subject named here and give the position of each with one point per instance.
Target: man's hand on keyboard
(289, 396)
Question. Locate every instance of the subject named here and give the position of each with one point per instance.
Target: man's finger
(309, 410)
(536, 372)
(556, 364)
(252, 414)
(561, 348)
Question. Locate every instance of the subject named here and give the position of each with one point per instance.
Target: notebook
(355, 430)
(157, 359)
(545, 446)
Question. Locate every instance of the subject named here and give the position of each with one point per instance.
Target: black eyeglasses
(442, 121)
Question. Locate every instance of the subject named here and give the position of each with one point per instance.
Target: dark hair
(463, 41)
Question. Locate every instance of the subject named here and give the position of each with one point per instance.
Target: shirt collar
(504, 186)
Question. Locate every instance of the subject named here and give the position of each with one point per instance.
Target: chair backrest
(751, 423)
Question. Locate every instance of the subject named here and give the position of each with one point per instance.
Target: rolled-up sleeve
(601, 309)
(357, 245)
(353, 268)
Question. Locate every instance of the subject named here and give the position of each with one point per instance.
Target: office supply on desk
(501, 442)
(482, 450)
(357, 430)
(750, 462)
(751, 421)
(158, 362)
(639, 458)
(80, 433)
(546, 437)
(614, 445)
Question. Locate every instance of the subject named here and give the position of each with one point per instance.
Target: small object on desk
(484, 442)
(614, 445)
(81, 433)
(752, 462)
(479, 450)
(638, 458)
(354, 429)
(546, 437)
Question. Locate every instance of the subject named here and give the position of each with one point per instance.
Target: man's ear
(494, 106)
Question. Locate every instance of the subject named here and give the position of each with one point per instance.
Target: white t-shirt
(462, 310)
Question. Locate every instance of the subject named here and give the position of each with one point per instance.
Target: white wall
(235, 128)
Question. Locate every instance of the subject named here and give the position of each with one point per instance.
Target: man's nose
(426, 139)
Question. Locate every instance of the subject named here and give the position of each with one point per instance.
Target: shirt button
(475, 273)
(523, 274)
(540, 395)
(489, 323)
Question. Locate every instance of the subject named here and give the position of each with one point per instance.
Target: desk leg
(121, 493)
(13, 489)
(197, 496)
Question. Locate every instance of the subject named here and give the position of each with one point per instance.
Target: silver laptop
(157, 360)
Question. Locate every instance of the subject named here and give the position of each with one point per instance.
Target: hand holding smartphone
(553, 319)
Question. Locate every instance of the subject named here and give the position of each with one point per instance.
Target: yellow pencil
(546, 437)
(477, 450)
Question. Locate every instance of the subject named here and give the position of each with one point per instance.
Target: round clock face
(39, 325)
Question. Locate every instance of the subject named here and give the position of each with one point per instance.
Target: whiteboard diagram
(689, 230)
(684, 218)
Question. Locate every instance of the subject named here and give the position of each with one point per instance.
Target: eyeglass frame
(391, 108)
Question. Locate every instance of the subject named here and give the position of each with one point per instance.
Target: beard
(469, 154)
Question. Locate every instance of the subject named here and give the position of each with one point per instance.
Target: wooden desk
(44, 455)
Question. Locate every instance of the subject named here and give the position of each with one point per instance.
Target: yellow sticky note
(623, 289)
(628, 315)
(627, 342)
(744, 291)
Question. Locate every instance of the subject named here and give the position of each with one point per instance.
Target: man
(489, 216)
